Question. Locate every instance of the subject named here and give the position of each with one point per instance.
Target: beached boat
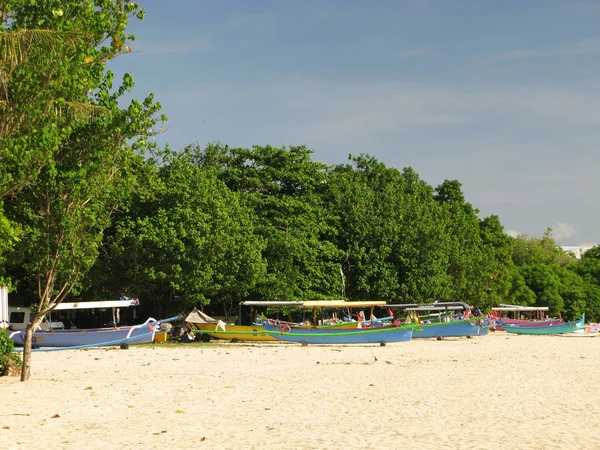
(455, 328)
(561, 328)
(93, 337)
(444, 319)
(208, 327)
(334, 336)
(534, 316)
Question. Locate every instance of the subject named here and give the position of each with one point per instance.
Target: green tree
(284, 189)
(185, 239)
(467, 260)
(78, 181)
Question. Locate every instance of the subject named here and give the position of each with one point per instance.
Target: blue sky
(503, 96)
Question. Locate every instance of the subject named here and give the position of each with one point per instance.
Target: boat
(534, 316)
(210, 328)
(93, 337)
(207, 327)
(444, 319)
(561, 328)
(380, 336)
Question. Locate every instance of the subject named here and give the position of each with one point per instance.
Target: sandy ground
(497, 391)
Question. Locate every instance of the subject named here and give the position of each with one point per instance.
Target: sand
(496, 391)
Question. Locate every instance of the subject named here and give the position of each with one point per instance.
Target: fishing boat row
(339, 322)
(450, 319)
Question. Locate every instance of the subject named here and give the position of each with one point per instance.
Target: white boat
(53, 334)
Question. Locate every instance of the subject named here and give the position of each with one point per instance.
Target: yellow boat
(232, 332)
(198, 322)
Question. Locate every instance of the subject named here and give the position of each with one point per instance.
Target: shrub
(6, 351)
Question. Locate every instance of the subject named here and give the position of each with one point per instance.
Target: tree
(80, 173)
(185, 239)
(283, 187)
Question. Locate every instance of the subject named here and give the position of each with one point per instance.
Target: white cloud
(512, 233)
(563, 231)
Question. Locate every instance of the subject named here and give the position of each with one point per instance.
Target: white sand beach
(497, 391)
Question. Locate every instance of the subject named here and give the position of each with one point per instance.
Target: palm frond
(80, 111)
(15, 43)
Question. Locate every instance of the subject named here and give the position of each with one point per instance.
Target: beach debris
(89, 388)
(202, 439)
(159, 433)
(179, 411)
(55, 416)
(6, 427)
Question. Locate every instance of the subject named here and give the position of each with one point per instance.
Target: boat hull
(501, 323)
(88, 337)
(234, 332)
(461, 328)
(561, 328)
(349, 336)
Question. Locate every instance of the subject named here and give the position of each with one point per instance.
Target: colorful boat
(208, 327)
(522, 315)
(501, 323)
(455, 328)
(334, 336)
(561, 328)
(444, 319)
(211, 328)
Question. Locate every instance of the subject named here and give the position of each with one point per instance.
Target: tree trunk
(26, 369)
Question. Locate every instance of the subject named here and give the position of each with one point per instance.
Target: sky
(503, 96)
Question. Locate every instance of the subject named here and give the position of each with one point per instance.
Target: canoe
(500, 323)
(92, 337)
(457, 328)
(344, 336)
(560, 328)
(232, 332)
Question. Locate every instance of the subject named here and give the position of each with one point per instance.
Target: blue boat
(444, 319)
(343, 336)
(93, 337)
(456, 328)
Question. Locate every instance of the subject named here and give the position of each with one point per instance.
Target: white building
(577, 250)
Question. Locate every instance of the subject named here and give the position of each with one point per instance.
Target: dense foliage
(211, 227)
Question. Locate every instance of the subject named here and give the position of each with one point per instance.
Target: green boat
(560, 328)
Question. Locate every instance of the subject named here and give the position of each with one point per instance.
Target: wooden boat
(351, 336)
(208, 327)
(93, 337)
(523, 315)
(455, 328)
(561, 328)
(444, 319)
